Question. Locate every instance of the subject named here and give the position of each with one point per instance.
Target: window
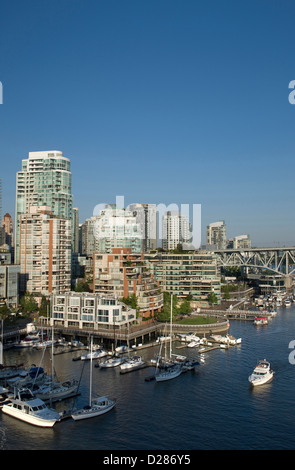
(103, 316)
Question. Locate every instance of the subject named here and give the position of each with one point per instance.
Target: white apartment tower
(146, 216)
(117, 228)
(175, 230)
(216, 235)
(44, 180)
(242, 241)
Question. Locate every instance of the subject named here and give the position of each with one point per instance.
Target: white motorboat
(27, 342)
(112, 362)
(162, 339)
(76, 343)
(24, 406)
(96, 406)
(261, 374)
(134, 362)
(227, 339)
(97, 354)
(188, 338)
(194, 343)
(121, 349)
(287, 303)
(44, 344)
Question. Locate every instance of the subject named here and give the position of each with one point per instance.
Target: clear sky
(162, 101)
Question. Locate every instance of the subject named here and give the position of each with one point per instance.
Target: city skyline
(183, 103)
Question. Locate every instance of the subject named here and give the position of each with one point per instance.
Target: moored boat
(27, 342)
(194, 343)
(97, 354)
(260, 321)
(121, 349)
(227, 339)
(8, 372)
(188, 338)
(57, 391)
(25, 407)
(97, 406)
(168, 373)
(28, 378)
(167, 368)
(112, 362)
(134, 362)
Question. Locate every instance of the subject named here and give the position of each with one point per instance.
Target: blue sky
(162, 101)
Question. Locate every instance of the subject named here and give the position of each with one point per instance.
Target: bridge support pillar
(289, 282)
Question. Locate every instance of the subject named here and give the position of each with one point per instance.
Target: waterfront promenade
(132, 336)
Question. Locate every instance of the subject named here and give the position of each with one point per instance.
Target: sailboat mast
(171, 327)
(52, 363)
(1, 344)
(90, 385)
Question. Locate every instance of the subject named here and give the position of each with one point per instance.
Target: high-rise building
(44, 180)
(112, 228)
(216, 235)
(241, 241)
(117, 228)
(9, 278)
(44, 252)
(7, 224)
(146, 216)
(175, 230)
(89, 243)
(75, 228)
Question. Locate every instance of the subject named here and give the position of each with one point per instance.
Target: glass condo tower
(44, 180)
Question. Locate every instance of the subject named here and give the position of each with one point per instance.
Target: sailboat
(8, 372)
(169, 369)
(97, 406)
(52, 390)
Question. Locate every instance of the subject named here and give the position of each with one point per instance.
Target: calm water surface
(212, 408)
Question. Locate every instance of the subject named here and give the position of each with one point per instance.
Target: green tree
(43, 306)
(4, 311)
(82, 286)
(185, 307)
(28, 303)
(131, 301)
(212, 298)
(165, 314)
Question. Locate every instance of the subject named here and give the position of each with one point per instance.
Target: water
(212, 408)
